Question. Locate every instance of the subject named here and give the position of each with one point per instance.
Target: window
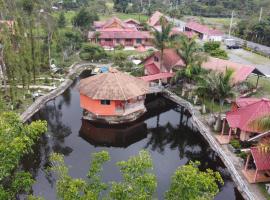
(108, 40)
(156, 59)
(128, 40)
(118, 40)
(139, 41)
(105, 102)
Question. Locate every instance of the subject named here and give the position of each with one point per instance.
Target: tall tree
(162, 39)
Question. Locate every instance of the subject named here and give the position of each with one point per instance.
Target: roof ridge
(117, 81)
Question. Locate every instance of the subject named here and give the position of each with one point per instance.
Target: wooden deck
(261, 177)
(223, 139)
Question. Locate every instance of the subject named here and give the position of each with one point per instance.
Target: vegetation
(92, 52)
(188, 182)
(192, 56)
(252, 29)
(16, 141)
(213, 48)
(162, 39)
(138, 182)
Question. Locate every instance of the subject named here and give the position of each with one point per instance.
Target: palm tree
(192, 56)
(162, 39)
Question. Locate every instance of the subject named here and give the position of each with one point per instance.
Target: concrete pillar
(223, 126)
(230, 134)
(256, 174)
(247, 161)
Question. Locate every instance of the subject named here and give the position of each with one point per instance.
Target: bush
(243, 155)
(119, 58)
(119, 47)
(219, 53)
(92, 52)
(235, 143)
(211, 46)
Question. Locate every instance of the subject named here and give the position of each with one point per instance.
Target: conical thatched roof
(113, 85)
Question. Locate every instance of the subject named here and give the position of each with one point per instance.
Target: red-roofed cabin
(171, 60)
(258, 170)
(204, 32)
(135, 23)
(239, 121)
(115, 32)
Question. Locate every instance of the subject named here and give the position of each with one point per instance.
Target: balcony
(130, 108)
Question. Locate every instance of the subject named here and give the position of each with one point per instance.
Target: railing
(130, 108)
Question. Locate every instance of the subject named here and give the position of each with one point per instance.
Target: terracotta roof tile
(203, 29)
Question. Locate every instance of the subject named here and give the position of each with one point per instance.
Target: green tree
(162, 39)
(84, 18)
(61, 20)
(17, 140)
(138, 182)
(92, 52)
(192, 56)
(188, 182)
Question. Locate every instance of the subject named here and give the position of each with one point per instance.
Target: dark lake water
(163, 131)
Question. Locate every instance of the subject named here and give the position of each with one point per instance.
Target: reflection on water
(165, 131)
(112, 136)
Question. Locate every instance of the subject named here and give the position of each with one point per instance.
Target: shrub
(219, 53)
(92, 52)
(119, 47)
(211, 46)
(243, 155)
(235, 143)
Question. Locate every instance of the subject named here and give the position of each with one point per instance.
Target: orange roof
(113, 85)
(154, 19)
(170, 59)
(241, 71)
(242, 117)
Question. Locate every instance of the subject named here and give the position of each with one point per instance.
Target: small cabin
(238, 121)
(113, 97)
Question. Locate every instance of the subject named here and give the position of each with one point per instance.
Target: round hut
(113, 97)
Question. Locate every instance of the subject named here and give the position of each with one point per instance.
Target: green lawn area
(125, 16)
(263, 190)
(264, 86)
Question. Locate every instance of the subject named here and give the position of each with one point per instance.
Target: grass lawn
(264, 86)
(263, 190)
(125, 16)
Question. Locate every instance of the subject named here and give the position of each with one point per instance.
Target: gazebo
(261, 173)
(113, 97)
(239, 120)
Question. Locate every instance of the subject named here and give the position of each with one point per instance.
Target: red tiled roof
(154, 19)
(203, 29)
(121, 34)
(170, 58)
(241, 71)
(109, 22)
(133, 21)
(154, 77)
(177, 31)
(152, 68)
(242, 102)
(261, 159)
(242, 117)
